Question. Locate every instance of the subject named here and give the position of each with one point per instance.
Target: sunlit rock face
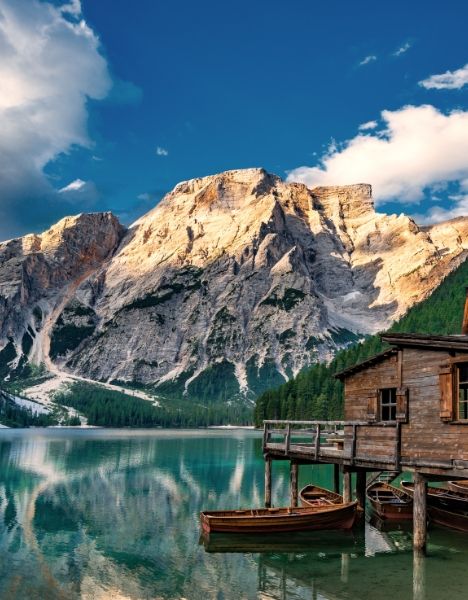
(236, 281)
(37, 275)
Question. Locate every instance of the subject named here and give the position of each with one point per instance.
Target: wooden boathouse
(405, 409)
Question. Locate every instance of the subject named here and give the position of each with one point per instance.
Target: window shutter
(402, 404)
(372, 405)
(446, 378)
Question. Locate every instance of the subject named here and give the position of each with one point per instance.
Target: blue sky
(140, 95)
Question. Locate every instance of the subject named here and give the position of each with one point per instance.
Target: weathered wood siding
(359, 385)
(374, 441)
(425, 437)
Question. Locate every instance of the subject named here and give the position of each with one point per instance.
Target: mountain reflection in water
(114, 514)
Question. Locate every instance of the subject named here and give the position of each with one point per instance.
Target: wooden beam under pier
(361, 489)
(419, 575)
(293, 483)
(336, 478)
(420, 512)
(267, 482)
(346, 486)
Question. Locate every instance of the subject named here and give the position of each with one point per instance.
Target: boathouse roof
(369, 362)
(409, 340)
(429, 342)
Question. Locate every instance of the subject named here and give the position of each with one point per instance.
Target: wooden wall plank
(426, 435)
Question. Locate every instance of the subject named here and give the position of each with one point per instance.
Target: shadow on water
(115, 514)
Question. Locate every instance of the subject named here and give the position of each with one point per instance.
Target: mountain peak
(228, 188)
(234, 278)
(345, 201)
(86, 234)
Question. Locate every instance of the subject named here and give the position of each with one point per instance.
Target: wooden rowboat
(453, 520)
(276, 520)
(441, 497)
(312, 495)
(389, 502)
(459, 486)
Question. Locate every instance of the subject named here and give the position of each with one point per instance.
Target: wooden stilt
(420, 512)
(361, 489)
(267, 482)
(344, 568)
(260, 571)
(419, 575)
(336, 478)
(346, 486)
(293, 477)
(284, 585)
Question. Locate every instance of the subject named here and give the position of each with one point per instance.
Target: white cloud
(74, 186)
(368, 125)
(419, 147)
(162, 151)
(367, 60)
(402, 49)
(436, 214)
(50, 64)
(81, 194)
(72, 8)
(450, 80)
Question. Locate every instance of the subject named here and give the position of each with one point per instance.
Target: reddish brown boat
(453, 520)
(312, 495)
(276, 520)
(459, 486)
(389, 502)
(441, 497)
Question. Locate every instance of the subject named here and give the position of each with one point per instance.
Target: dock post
(419, 513)
(336, 478)
(361, 489)
(344, 567)
(267, 482)
(346, 486)
(293, 477)
(419, 575)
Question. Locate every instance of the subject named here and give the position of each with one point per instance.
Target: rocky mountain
(232, 283)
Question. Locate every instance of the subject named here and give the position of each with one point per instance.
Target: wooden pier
(405, 409)
(343, 444)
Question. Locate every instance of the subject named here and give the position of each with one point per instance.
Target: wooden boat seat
(318, 500)
(388, 497)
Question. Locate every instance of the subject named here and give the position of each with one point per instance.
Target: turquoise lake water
(106, 514)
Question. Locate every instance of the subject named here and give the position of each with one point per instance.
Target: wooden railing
(320, 440)
(312, 437)
(348, 443)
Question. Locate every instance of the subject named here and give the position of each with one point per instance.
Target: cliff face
(37, 275)
(232, 282)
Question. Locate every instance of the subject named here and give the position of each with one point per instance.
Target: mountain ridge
(233, 282)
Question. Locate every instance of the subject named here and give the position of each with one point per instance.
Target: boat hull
(452, 520)
(390, 503)
(280, 520)
(458, 486)
(442, 498)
